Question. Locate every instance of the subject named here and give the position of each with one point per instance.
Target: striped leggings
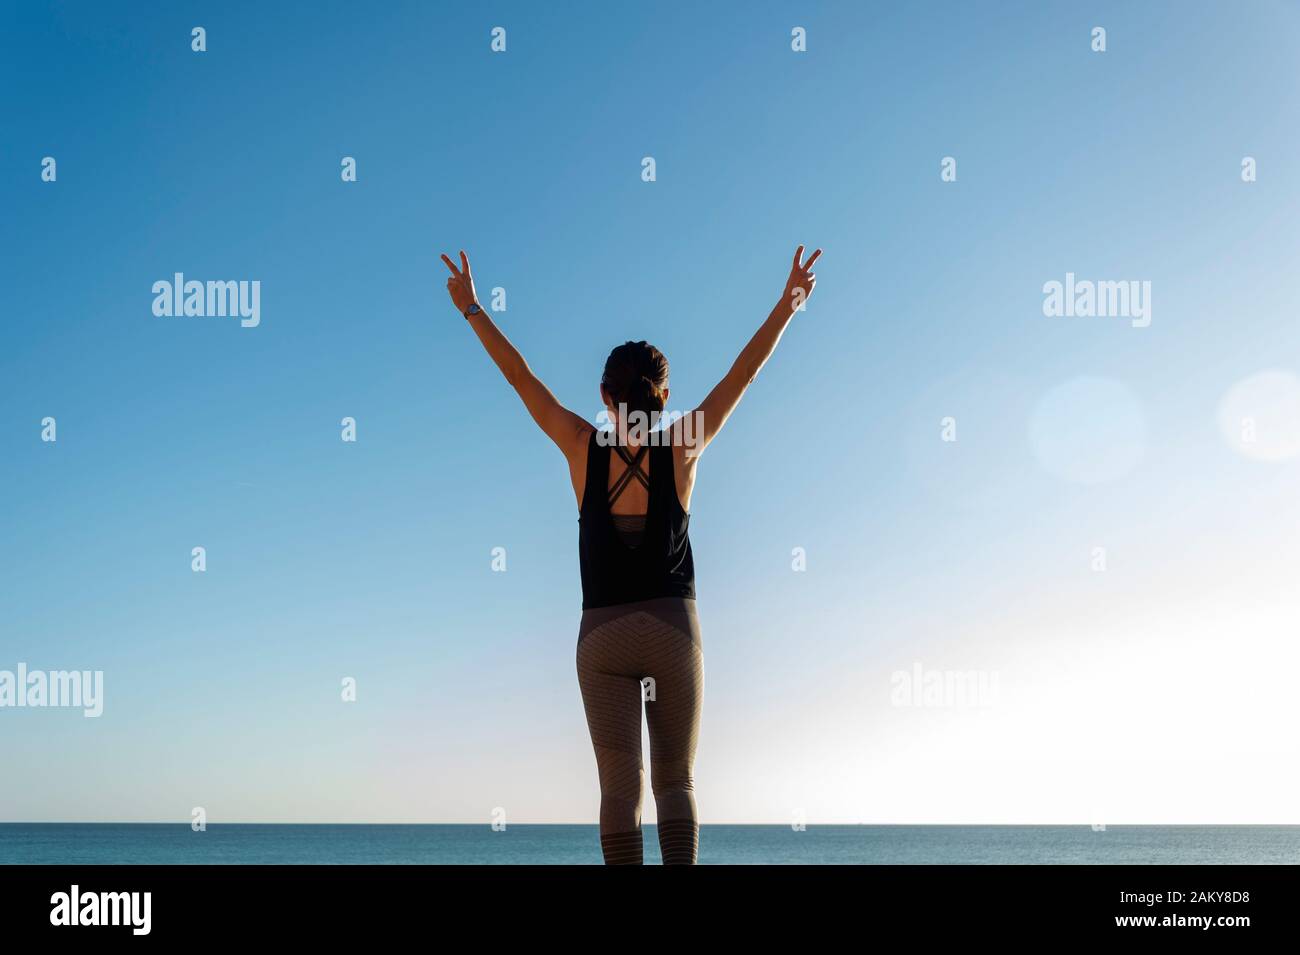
(644, 652)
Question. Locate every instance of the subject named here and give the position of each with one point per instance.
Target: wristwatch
(473, 310)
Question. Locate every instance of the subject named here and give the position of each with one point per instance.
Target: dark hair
(636, 375)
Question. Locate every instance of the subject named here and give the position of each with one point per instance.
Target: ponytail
(636, 375)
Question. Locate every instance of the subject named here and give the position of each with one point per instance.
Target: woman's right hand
(802, 281)
(461, 284)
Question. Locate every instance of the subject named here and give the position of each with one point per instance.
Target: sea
(253, 844)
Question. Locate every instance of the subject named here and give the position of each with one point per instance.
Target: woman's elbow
(516, 373)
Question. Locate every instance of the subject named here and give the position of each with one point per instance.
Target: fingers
(451, 266)
(804, 266)
(464, 262)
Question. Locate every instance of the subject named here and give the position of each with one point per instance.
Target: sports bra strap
(633, 470)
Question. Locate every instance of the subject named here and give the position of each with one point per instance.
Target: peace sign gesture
(461, 284)
(802, 281)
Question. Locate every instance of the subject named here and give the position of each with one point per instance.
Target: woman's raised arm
(566, 429)
(722, 400)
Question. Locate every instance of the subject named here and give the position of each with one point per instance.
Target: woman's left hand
(461, 284)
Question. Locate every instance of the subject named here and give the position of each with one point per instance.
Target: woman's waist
(675, 610)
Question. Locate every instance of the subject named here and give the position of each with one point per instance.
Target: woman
(639, 640)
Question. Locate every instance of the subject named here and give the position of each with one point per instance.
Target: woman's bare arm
(566, 429)
(723, 399)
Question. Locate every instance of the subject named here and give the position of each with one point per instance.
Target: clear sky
(1160, 689)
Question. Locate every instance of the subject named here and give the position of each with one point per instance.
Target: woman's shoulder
(682, 437)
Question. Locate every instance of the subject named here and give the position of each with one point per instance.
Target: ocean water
(171, 843)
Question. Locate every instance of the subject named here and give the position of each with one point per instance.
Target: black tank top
(661, 565)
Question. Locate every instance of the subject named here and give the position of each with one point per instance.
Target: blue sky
(373, 560)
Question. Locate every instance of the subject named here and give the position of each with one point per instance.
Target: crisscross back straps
(633, 470)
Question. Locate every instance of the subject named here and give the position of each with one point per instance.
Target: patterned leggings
(645, 651)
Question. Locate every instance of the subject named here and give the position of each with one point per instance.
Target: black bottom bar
(489, 904)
